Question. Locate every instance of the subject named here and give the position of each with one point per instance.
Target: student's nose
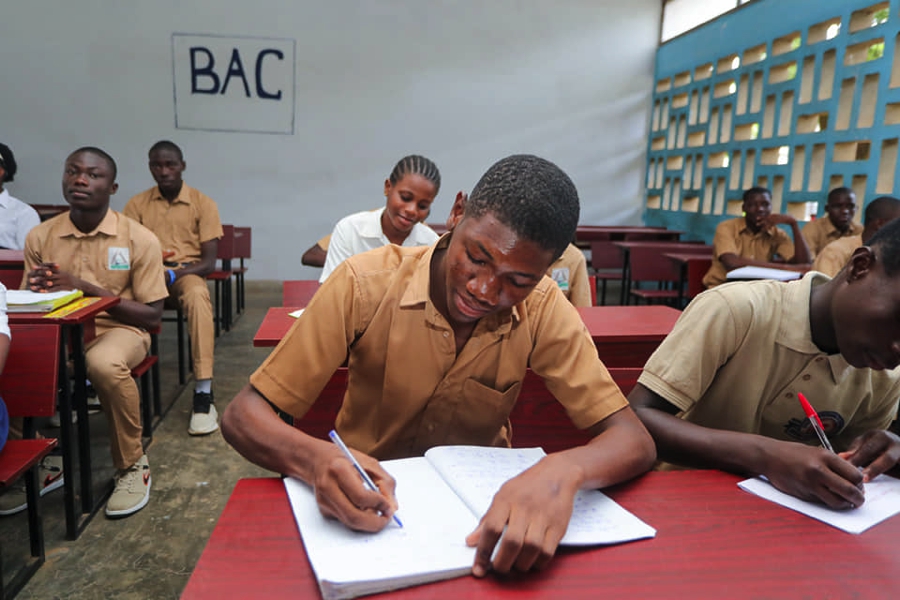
(80, 179)
(486, 289)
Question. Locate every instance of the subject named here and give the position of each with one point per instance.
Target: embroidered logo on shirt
(561, 277)
(802, 431)
(118, 259)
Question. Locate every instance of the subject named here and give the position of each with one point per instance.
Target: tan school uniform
(122, 257)
(569, 271)
(820, 232)
(835, 255)
(740, 353)
(408, 390)
(182, 226)
(733, 237)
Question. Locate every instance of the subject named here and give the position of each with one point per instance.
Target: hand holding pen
(366, 507)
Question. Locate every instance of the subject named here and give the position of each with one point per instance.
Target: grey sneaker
(132, 490)
(50, 477)
(204, 417)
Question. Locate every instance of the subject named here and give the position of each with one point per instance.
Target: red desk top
(14, 259)
(650, 323)
(606, 323)
(713, 541)
(90, 308)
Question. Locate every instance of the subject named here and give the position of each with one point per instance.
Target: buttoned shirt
(16, 220)
(740, 353)
(835, 255)
(181, 225)
(820, 232)
(734, 237)
(361, 232)
(569, 271)
(120, 256)
(408, 390)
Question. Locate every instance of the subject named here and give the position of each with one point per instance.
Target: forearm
(201, 268)
(684, 443)
(620, 450)
(138, 314)
(802, 255)
(254, 429)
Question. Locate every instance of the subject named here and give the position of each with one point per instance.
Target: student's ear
(114, 188)
(387, 187)
(184, 165)
(457, 210)
(861, 263)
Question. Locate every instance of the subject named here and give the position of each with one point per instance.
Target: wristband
(170, 276)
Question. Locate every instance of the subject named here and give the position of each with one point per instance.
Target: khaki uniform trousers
(192, 294)
(110, 357)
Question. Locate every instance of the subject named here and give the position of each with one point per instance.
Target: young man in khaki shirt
(103, 253)
(438, 340)
(837, 222)
(755, 240)
(835, 255)
(186, 221)
(721, 391)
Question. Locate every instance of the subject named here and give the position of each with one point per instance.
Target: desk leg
(65, 433)
(84, 428)
(682, 285)
(626, 277)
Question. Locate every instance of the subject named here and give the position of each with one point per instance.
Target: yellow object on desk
(28, 301)
(71, 307)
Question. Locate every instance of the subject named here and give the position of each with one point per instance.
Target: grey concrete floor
(151, 554)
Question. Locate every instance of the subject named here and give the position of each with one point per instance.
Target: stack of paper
(26, 301)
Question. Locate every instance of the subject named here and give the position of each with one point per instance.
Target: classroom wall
(800, 97)
(359, 85)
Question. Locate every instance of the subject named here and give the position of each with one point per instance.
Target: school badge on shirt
(118, 259)
(561, 277)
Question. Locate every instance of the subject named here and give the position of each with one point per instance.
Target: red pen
(815, 421)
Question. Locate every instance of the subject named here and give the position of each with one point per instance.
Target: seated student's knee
(194, 289)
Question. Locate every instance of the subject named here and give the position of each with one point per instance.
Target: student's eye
(92, 175)
(520, 284)
(474, 260)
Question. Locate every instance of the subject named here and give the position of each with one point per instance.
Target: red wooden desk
(663, 246)
(713, 541)
(625, 336)
(589, 233)
(77, 328)
(692, 267)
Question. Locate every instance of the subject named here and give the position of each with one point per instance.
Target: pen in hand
(367, 481)
(815, 421)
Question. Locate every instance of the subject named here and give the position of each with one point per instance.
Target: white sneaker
(204, 417)
(132, 490)
(50, 477)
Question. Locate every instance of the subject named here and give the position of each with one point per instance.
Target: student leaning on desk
(438, 340)
(721, 391)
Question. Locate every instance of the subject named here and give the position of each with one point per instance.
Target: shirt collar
(183, 195)
(795, 329)
(371, 226)
(770, 231)
(108, 226)
(417, 294)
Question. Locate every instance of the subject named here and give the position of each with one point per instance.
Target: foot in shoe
(132, 490)
(204, 418)
(50, 477)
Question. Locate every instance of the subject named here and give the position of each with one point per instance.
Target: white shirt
(4, 320)
(16, 220)
(361, 232)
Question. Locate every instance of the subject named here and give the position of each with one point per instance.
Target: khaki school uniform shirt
(407, 388)
(181, 225)
(733, 237)
(569, 271)
(835, 255)
(120, 256)
(740, 353)
(821, 232)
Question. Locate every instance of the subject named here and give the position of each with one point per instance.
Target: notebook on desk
(28, 301)
(744, 273)
(442, 496)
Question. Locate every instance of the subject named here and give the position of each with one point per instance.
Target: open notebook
(442, 496)
(28, 301)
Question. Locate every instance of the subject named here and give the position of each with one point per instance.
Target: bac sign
(233, 83)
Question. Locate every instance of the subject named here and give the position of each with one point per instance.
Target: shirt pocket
(482, 414)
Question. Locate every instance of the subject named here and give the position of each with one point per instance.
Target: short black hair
(881, 208)
(840, 190)
(532, 196)
(886, 245)
(9, 163)
(166, 145)
(415, 164)
(102, 154)
(756, 190)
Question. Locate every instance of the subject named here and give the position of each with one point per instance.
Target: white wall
(463, 82)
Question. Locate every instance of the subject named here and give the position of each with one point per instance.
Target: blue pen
(362, 472)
